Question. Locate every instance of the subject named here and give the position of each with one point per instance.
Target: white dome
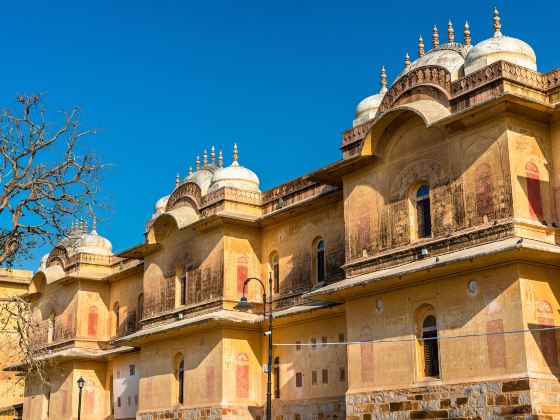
(90, 243)
(236, 176)
(202, 178)
(450, 56)
(160, 206)
(43, 263)
(500, 47)
(367, 108)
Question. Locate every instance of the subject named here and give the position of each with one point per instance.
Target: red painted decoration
(242, 272)
(242, 381)
(534, 191)
(496, 344)
(549, 344)
(92, 321)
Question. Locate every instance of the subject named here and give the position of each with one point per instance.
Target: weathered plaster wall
(203, 372)
(126, 293)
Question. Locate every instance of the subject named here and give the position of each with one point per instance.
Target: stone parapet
(519, 398)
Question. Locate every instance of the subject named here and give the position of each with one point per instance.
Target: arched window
(319, 260)
(276, 377)
(140, 310)
(275, 267)
(423, 219)
(116, 313)
(179, 377)
(430, 346)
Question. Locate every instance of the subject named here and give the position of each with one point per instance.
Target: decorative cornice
(425, 75)
(232, 194)
(188, 189)
(356, 133)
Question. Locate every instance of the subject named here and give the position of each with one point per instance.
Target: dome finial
(235, 153)
(467, 34)
(177, 180)
(450, 32)
(190, 170)
(212, 156)
(81, 228)
(420, 46)
(383, 80)
(407, 60)
(197, 162)
(94, 225)
(497, 23)
(220, 159)
(205, 157)
(435, 37)
(86, 226)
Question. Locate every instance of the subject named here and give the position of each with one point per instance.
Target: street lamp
(81, 383)
(244, 305)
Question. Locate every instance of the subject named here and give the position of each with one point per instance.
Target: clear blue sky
(161, 80)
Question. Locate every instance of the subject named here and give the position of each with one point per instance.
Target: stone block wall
(315, 409)
(520, 398)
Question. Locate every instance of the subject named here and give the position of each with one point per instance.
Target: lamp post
(244, 305)
(81, 383)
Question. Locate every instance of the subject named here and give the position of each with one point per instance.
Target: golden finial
(467, 34)
(220, 159)
(190, 170)
(497, 23)
(435, 37)
(205, 158)
(212, 156)
(197, 162)
(177, 180)
(235, 153)
(420, 46)
(383, 80)
(450, 32)
(407, 60)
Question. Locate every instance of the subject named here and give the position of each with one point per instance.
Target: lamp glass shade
(81, 382)
(243, 305)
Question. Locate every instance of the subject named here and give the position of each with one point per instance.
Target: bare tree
(25, 340)
(46, 177)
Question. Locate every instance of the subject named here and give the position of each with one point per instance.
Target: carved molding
(232, 194)
(356, 133)
(425, 76)
(188, 189)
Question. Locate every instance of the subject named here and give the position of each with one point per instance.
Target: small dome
(450, 56)
(160, 206)
(500, 47)
(79, 241)
(93, 243)
(43, 263)
(202, 177)
(235, 176)
(367, 108)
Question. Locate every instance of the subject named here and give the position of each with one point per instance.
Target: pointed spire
(383, 80)
(467, 34)
(220, 159)
(212, 156)
(407, 60)
(435, 37)
(72, 227)
(190, 170)
(205, 157)
(94, 225)
(86, 226)
(197, 162)
(81, 228)
(450, 32)
(235, 153)
(420, 46)
(177, 180)
(497, 23)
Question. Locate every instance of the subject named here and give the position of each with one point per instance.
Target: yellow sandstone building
(417, 277)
